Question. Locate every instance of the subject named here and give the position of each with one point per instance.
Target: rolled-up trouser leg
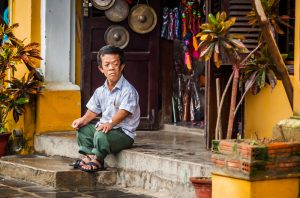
(111, 142)
(85, 136)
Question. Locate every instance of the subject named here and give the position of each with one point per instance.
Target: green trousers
(101, 144)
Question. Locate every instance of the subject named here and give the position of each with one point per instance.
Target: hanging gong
(118, 12)
(116, 35)
(142, 18)
(103, 4)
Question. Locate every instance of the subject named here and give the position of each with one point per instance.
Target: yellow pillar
(227, 187)
(297, 62)
(27, 14)
(290, 127)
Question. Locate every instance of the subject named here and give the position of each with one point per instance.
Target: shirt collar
(118, 85)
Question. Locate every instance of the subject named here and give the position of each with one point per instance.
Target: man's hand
(105, 127)
(78, 123)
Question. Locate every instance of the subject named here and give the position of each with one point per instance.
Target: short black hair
(110, 49)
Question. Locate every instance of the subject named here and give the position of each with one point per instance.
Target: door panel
(142, 62)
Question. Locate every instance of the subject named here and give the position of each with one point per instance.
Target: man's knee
(99, 135)
(82, 132)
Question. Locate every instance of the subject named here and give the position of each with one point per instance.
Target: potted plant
(202, 186)
(15, 93)
(256, 159)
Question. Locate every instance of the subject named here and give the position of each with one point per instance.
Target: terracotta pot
(202, 186)
(4, 137)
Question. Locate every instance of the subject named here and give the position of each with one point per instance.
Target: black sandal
(78, 163)
(99, 167)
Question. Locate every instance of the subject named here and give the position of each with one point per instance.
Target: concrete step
(160, 162)
(53, 172)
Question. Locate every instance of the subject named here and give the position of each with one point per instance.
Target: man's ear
(100, 68)
(122, 67)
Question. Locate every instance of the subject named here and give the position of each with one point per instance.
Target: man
(118, 103)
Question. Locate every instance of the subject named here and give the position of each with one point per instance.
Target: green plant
(258, 71)
(15, 93)
(215, 38)
(255, 71)
(271, 10)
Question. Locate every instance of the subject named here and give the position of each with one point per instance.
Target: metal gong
(116, 35)
(103, 4)
(118, 12)
(142, 18)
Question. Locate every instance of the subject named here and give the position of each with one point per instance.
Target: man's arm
(80, 122)
(116, 119)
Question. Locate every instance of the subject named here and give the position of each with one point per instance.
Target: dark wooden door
(142, 62)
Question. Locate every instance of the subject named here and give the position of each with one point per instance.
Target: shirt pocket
(112, 110)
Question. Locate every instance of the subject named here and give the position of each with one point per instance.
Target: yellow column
(297, 62)
(27, 14)
(227, 187)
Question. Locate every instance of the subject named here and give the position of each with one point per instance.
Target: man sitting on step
(118, 103)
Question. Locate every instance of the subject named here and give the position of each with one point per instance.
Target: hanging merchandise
(116, 35)
(186, 103)
(184, 22)
(171, 23)
(177, 13)
(142, 18)
(103, 4)
(165, 22)
(118, 12)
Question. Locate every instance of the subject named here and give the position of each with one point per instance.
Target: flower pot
(202, 186)
(244, 160)
(4, 137)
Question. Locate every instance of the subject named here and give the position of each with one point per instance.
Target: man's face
(111, 68)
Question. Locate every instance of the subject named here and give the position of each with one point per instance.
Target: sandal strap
(93, 164)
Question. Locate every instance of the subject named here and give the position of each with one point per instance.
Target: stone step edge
(57, 179)
(165, 168)
(183, 129)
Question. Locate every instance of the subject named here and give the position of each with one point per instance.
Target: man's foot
(83, 161)
(93, 166)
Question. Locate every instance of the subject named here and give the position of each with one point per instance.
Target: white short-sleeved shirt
(122, 96)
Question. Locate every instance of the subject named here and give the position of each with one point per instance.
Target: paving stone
(11, 188)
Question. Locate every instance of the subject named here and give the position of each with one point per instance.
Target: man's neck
(111, 85)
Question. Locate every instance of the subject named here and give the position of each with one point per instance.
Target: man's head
(111, 63)
(110, 49)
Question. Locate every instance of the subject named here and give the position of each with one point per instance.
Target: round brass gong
(103, 4)
(116, 35)
(142, 18)
(118, 12)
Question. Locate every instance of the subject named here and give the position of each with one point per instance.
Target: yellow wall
(27, 14)
(227, 187)
(297, 62)
(56, 110)
(263, 111)
(23, 18)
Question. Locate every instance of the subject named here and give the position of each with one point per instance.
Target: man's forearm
(119, 116)
(89, 116)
